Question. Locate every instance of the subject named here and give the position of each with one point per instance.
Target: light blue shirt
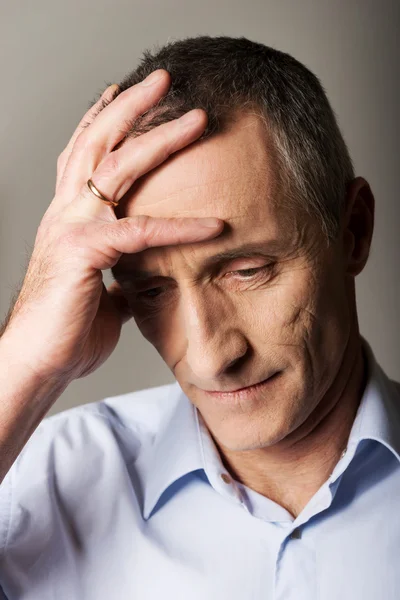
(124, 499)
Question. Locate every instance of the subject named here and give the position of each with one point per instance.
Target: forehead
(231, 175)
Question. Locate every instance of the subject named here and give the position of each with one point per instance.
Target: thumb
(117, 298)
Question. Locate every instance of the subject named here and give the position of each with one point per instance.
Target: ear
(357, 225)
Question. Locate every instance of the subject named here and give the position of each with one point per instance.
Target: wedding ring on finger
(97, 193)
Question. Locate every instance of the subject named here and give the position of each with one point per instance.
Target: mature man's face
(218, 329)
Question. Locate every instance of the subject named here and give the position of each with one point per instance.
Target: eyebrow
(248, 250)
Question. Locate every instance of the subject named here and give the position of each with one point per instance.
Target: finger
(107, 96)
(109, 128)
(120, 302)
(142, 232)
(120, 169)
(135, 234)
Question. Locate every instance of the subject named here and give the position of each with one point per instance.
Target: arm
(25, 399)
(65, 322)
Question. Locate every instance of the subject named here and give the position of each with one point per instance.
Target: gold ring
(97, 193)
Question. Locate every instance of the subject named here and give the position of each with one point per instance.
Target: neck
(292, 471)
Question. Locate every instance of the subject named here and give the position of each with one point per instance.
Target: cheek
(156, 329)
(286, 311)
(279, 313)
(307, 318)
(297, 311)
(298, 318)
(165, 331)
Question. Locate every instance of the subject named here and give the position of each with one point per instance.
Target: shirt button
(296, 534)
(225, 478)
(344, 452)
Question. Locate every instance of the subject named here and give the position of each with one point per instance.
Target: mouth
(242, 393)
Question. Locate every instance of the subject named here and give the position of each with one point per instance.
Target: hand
(65, 323)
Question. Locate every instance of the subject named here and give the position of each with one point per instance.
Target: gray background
(57, 56)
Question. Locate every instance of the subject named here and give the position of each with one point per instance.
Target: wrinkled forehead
(231, 175)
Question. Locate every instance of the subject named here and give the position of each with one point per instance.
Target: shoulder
(79, 453)
(116, 427)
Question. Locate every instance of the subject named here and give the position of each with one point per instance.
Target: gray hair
(224, 75)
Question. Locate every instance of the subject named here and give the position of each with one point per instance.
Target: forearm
(24, 401)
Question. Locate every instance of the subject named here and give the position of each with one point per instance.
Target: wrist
(25, 380)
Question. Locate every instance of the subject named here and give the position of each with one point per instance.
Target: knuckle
(84, 142)
(140, 223)
(126, 96)
(111, 164)
(159, 143)
(139, 227)
(114, 231)
(138, 149)
(71, 234)
(70, 237)
(166, 141)
(111, 233)
(43, 229)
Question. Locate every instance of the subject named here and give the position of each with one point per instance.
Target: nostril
(235, 363)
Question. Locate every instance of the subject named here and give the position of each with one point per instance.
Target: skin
(78, 237)
(219, 330)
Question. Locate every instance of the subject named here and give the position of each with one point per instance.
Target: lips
(249, 387)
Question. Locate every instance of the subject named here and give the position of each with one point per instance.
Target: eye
(151, 295)
(250, 273)
(150, 292)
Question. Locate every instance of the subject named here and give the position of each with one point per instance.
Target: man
(270, 469)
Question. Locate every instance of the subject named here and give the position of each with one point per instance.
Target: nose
(215, 342)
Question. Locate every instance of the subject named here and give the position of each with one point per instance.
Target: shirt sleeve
(5, 520)
(5, 509)
(49, 497)
(27, 505)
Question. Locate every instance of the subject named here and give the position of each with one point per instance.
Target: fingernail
(209, 223)
(111, 89)
(153, 78)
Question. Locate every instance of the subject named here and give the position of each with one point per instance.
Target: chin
(247, 433)
(260, 422)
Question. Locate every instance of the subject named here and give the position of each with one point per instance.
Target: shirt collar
(378, 414)
(183, 444)
(174, 451)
